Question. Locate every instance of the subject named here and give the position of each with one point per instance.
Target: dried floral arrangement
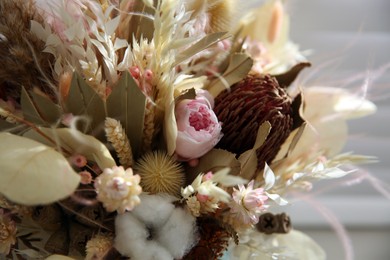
(166, 129)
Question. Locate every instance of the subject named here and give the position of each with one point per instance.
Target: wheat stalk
(116, 135)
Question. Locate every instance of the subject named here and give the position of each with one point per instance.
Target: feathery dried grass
(23, 63)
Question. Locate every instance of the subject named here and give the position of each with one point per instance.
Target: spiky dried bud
(160, 173)
(247, 105)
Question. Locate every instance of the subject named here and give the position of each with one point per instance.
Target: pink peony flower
(198, 127)
(248, 203)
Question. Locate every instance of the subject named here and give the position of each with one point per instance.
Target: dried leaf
(83, 100)
(170, 127)
(189, 94)
(296, 138)
(201, 45)
(239, 66)
(33, 173)
(126, 103)
(214, 160)
(47, 108)
(248, 159)
(297, 108)
(30, 112)
(78, 143)
(288, 77)
(289, 145)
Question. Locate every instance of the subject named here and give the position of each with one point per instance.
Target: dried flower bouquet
(166, 129)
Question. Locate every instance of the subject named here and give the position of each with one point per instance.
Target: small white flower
(204, 189)
(118, 189)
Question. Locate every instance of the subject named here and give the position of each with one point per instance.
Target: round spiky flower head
(160, 173)
(247, 105)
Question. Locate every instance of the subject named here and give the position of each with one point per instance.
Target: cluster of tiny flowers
(118, 189)
(203, 195)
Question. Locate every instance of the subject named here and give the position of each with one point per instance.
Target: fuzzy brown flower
(248, 104)
(23, 62)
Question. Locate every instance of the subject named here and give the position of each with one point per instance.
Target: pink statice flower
(78, 160)
(248, 203)
(198, 127)
(86, 177)
(118, 189)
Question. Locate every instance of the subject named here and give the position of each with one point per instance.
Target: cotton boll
(155, 229)
(128, 228)
(181, 224)
(152, 204)
(132, 239)
(149, 250)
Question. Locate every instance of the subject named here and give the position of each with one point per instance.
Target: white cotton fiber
(154, 210)
(155, 230)
(178, 234)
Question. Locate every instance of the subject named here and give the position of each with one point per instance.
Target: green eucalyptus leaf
(30, 111)
(33, 173)
(83, 100)
(126, 103)
(50, 111)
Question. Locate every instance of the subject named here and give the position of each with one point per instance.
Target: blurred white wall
(351, 38)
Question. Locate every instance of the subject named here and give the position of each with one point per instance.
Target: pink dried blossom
(86, 177)
(198, 128)
(134, 71)
(118, 189)
(78, 160)
(248, 203)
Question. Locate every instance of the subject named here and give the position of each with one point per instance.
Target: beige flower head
(98, 246)
(118, 189)
(7, 233)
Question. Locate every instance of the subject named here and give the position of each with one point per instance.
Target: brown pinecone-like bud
(249, 103)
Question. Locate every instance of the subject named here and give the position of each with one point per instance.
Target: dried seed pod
(284, 223)
(48, 217)
(270, 223)
(58, 242)
(247, 105)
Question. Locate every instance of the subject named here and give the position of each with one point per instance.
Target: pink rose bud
(198, 128)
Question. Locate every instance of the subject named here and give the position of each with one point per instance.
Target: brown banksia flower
(248, 104)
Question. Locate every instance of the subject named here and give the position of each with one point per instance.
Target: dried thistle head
(23, 62)
(160, 173)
